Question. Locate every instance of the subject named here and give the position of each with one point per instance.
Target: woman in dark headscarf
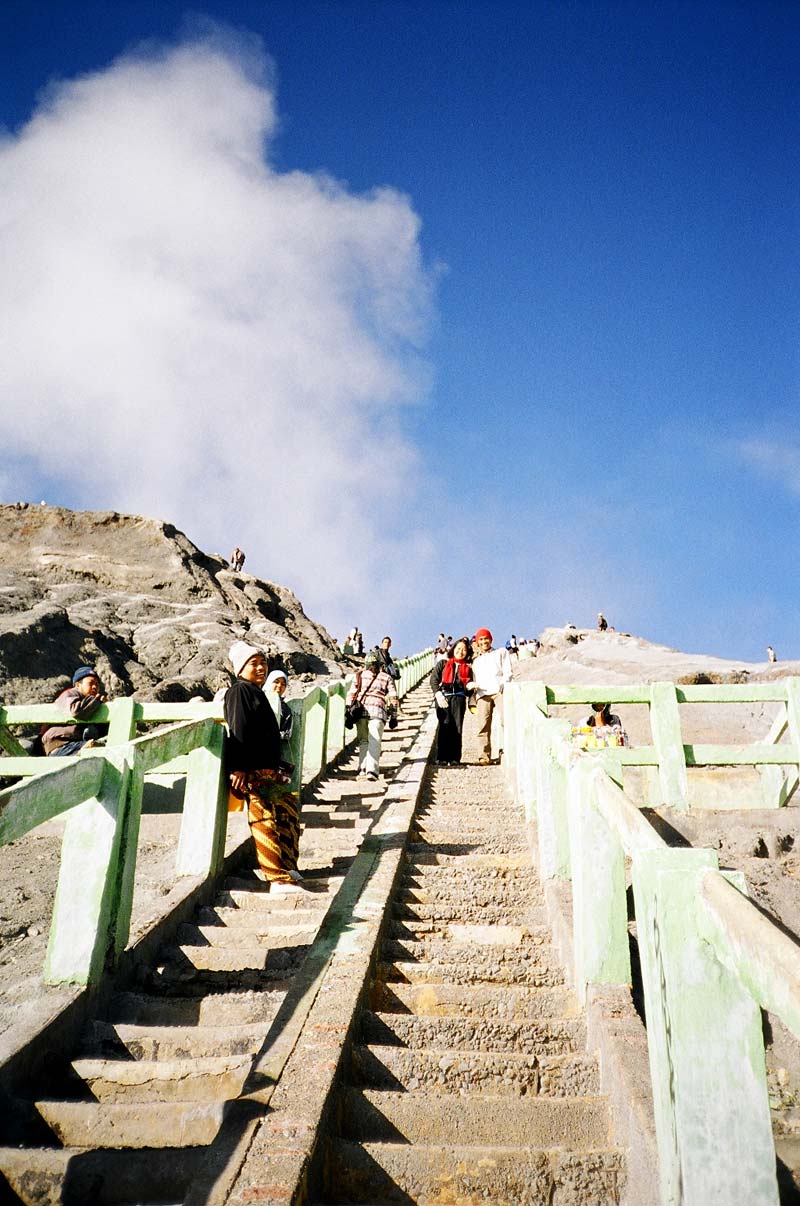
(451, 680)
(252, 757)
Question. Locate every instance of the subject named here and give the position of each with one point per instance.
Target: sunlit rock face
(136, 598)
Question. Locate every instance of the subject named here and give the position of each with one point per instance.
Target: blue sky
(599, 378)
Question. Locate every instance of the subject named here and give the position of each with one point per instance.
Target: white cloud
(188, 333)
(779, 461)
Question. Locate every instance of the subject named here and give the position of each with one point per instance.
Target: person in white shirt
(492, 669)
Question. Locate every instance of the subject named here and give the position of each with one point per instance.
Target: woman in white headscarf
(275, 689)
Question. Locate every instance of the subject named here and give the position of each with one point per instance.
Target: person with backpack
(374, 691)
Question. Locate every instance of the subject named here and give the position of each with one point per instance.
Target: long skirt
(273, 813)
(451, 724)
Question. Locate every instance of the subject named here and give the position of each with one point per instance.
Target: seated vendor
(81, 700)
(603, 717)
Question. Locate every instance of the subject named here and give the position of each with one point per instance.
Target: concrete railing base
(615, 1032)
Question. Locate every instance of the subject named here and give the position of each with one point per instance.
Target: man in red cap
(492, 670)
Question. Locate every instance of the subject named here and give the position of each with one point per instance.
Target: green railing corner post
(335, 735)
(87, 895)
(551, 799)
(202, 837)
(129, 849)
(122, 720)
(599, 902)
(8, 741)
(511, 718)
(665, 725)
(706, 1047)
(531, 711)
(297, 743)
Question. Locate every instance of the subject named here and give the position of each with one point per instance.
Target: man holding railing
(81, 701)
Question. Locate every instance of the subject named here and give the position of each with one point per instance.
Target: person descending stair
(253, 764)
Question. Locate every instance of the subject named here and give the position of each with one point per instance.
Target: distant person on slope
(602, 622)
(492, 671)
(451, 680)
(81, 700)
(237, 560)
(252, 762)
(771, 654)
(387, 661)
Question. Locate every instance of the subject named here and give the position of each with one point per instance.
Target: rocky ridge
(136, 598)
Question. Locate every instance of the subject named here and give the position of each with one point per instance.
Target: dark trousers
(451, 724)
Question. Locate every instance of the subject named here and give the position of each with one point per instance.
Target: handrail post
(599, 902)
(335, 737)
(297, 743)
(87, 895)
(530, 710)
(712, 1116)
(551, 800)
(665, 725)
(202, 838)
(122, 720)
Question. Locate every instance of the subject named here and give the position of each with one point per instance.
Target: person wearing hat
(81, 701)
(253, 766)
(373, 688)
(492, 669)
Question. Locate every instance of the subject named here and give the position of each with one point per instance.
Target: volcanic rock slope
(136, 598)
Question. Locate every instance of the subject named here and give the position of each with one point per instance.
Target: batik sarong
(273, 813)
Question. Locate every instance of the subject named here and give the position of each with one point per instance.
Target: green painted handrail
(710, 960)
(100, 789)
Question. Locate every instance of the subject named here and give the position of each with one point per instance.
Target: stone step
(470, 910)
(427, 863)
(124, 1081)
(476, 1000)
(382, 1115)
(369, 1173)
(546, 1037)
(71, 1176)
(269, 937)
(451, 933)
(297, 898)
(531, 970)
(186, 962)
(173, 1042)
(159, 1124)
(261, 922)
(448, 847)
(473, 1071)
(215, 1009)
(468, 890)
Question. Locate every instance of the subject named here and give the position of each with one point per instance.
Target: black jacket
(254, 742)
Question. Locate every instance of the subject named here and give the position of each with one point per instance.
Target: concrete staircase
(468, 1082)
(147, 1092)
(134, 1115)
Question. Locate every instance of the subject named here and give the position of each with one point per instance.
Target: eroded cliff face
(136, 598)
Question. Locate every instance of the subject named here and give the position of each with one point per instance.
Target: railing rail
(710, 960)
(101, 790)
